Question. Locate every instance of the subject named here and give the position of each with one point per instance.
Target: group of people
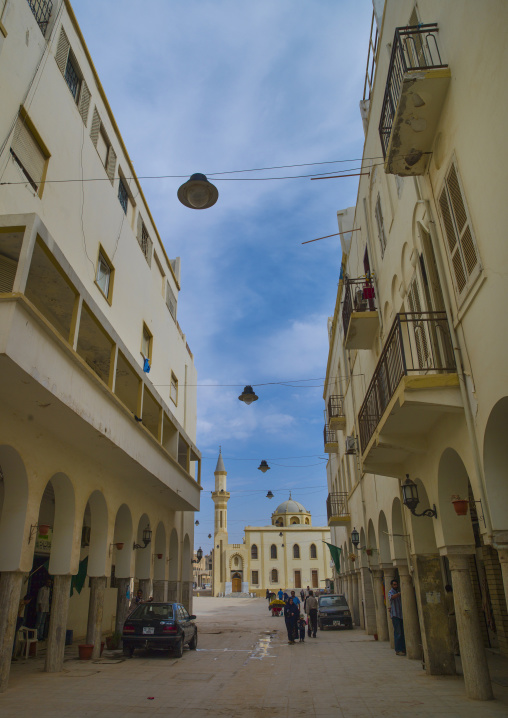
(296, 623)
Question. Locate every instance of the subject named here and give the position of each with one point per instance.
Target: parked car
(334, 611)
(159, 625)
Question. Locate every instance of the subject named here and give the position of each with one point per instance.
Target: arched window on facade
(295, 520)
(296, 551)
(307, 521)
(313, 550)
(254, 551)
(273, 551)
(279, 522)
(275, 575)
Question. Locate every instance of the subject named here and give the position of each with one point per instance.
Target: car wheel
(193, 644)
(179, 648)
(128, 651)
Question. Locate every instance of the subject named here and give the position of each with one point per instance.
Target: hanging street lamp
(355, 538)
(247, 395)
(198, 192)
(263, 466)
(269, 495)
(411, 499)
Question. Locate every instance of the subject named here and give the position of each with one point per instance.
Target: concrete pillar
(95, 614)
(389, 575)
(355, 608)
(58, 624)
(122, 602)
(349, 590)
(145, 584)
(368, 601)
(410, 615)
(434, 621)
(379, 605)
(10, 594)
(173, 591)
(502, 554)
(472, 652)
(160, 590)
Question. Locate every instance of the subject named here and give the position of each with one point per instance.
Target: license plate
(148, 629)
(337, 623)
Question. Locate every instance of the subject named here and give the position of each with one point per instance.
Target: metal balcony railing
(358, 297)
(42, 12)
(337, 506)
(418, 343)
(414, 48)
(329, 435)
(336, 407)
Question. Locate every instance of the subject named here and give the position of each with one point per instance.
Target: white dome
(290, 507)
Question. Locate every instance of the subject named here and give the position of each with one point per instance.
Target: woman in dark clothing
(291, 616)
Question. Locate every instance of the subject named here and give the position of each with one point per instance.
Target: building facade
(99, 470)
(290, 553)
(417, 382)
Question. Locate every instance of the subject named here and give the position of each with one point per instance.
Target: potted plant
(352, 557)
(460, 505)
(369, 551)
(113, 641)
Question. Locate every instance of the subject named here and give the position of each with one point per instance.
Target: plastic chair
(29, 636)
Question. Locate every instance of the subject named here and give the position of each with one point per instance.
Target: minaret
(220, 498)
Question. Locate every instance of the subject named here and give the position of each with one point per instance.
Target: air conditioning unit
(351, 445)
(361, 304)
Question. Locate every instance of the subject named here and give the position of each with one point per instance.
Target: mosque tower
(220, 498)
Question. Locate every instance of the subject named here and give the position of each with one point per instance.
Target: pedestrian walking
(394, 596)
(138, 598)
(280, 594)
(267, 594)
(296, 600)
(301, 628)
(291, 616)
(42, 606)
(311, 606)
(302, 595)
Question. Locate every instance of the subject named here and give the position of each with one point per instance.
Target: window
(315, 581)
(146, 343)
(274, 576)
(380, 225)
(313, 550)
(73, 76)
(170, 301)
(254, 551)
(42, 12)
(123, 196)
(296, 551)
(461, 243)
(101, 142)
(255, 578)
(29, 152)
(173, 390)
(104, 274)
(144, 241)
(273, 551)
(298, 579)
(295, 520)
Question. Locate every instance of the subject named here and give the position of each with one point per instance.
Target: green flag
(335, 551)
(78, 581)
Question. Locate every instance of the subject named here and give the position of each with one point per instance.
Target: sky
(219, 86)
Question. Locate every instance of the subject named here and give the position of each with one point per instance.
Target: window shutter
(380, 225)
(7, 273)
(419, 328)
(139, 231)
(96, 127)
(28, 152)
(84, 102)
(171, 301)
(458, 230)
(62, 51)
(110, 169)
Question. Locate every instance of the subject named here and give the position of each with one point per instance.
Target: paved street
(245, 667)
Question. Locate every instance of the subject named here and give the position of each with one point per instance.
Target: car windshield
(150, 610)
(332, 601)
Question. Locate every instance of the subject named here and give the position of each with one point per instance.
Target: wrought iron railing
(359, 296)
(329, 435)
(42, 12)
(414, 48)
(336, 505)
(418, 343)
(336, 407)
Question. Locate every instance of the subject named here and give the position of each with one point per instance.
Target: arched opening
(313, 550)
(273, 551)
(295, 520)
(398, 536)
(13, 508)
(384, 539)
(296, 551)
(274, 576)
(236, 583)
(122, 535)
(254, 551)
(307, 521)
(173, 566)
(143, 554)
(96, 518)
(371, 549)
(495, 460)
(159, 564)
(453, 480)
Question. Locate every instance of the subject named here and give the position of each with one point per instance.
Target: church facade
(289, 553)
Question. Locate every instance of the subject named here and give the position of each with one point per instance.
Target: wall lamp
(411, 499)
(199, 554)
(147, 538)
(355, 538)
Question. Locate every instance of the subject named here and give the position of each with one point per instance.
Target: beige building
(417, 378)
(288, 554)
(99, 471)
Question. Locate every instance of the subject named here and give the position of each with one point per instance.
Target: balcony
(336, 413)
(414, 96)
(337, 509)
(360, 317)
(331, 441)
(414, 385)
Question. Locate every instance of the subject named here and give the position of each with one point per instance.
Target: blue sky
(219, 85)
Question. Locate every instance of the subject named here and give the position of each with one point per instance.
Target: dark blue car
(159, 625)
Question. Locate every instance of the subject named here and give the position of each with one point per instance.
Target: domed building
(289, 553)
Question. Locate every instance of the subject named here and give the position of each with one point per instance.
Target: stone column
(381, 620)
(122, 603)
(58, 624)
(349, 589)
(368, 601)
(10, 593)
(434, 621)
(472, 651)
(160, 590)
(355, 608)
(95, 614)
(410, 615)
(173, 591)
(145, 584)
(389, 572)
(502, 554)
